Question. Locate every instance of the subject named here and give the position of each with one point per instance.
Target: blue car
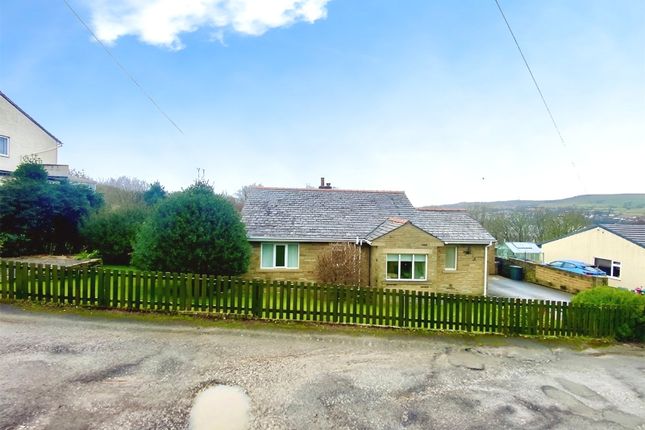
(577, 267)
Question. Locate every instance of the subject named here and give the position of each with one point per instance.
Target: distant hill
(629, 205)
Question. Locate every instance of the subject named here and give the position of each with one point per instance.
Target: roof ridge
(397, 220)
(431, 209)
(327, 190)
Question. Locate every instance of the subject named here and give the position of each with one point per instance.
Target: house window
(4, 146)
(406, 267)
(279, 256)
(451, 258)
(610, 267)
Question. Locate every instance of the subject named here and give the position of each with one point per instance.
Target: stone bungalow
(400, 246)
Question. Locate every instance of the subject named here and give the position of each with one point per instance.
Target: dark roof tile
(335, 215)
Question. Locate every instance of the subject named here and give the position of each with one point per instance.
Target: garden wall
(553, 278)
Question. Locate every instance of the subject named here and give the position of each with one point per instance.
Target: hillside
(628, 205)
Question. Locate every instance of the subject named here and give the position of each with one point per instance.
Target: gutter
(468, 242)
(306, 239)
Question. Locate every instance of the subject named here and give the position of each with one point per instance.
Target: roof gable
(634, 233)
(19, 109)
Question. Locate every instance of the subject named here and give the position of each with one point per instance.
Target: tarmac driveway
(71, 372)
(498, 286)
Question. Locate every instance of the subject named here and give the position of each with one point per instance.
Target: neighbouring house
(22, 136)
(527, 251)
(398, 245)
(617, 249)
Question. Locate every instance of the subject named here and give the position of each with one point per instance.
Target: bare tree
(239, 198)
(340, 263)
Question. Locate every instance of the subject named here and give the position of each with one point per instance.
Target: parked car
(577, 267)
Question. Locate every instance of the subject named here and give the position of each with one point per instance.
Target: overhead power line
(537, 86)
(122, 67)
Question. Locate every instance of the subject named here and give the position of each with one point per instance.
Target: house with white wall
(617, 249)
(22, 136)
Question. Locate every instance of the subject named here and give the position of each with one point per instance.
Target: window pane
(393, 257)
(406, 257)
(406, 268)
(419, 267)
(267, 255)
(4, 146)
(451, 257)
(393, 269)
(280, 258)
(604, 265)
(293, 255)
(616, 270)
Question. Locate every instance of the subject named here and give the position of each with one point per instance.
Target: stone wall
(308, 264)
(408, 239)
(554, 278)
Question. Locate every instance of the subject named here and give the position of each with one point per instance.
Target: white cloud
(161, 22)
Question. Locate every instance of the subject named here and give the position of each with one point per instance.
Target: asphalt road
(72, 372)
(498, 286)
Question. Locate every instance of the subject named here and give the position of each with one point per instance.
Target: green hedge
(634, 327)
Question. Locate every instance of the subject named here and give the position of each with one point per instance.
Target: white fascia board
(467, 242)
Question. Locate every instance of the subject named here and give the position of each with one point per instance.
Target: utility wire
(537, 86)
(122, 67)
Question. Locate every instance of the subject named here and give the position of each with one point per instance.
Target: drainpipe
(486, 269)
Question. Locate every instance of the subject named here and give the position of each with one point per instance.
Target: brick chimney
(323, 185)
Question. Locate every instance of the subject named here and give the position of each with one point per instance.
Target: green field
(620, 204)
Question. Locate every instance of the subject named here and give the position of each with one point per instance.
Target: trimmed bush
(193, 231)
(634, 327)
(112, 233)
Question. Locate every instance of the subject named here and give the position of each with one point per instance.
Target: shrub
(154, 194)
(112, 233)
(193, 231)
(634, 326)
(38, 216)
(340, 263)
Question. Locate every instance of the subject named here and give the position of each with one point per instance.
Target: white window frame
(613, 264)
(8, 145)
(445, 259)
(425, 274)
(286, 256)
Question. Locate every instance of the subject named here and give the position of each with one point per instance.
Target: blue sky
(430, 97)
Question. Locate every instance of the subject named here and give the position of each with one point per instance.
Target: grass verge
(236, 322)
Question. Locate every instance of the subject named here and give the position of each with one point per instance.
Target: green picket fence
(173, 292)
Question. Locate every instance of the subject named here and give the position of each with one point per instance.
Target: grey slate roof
(343, 215)
(385, 227)
(319, 215)
(633, 232)
(452, 226)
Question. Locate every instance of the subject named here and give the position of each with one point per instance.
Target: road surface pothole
(221, 407)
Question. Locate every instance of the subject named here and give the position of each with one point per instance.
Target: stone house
(398, 245)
